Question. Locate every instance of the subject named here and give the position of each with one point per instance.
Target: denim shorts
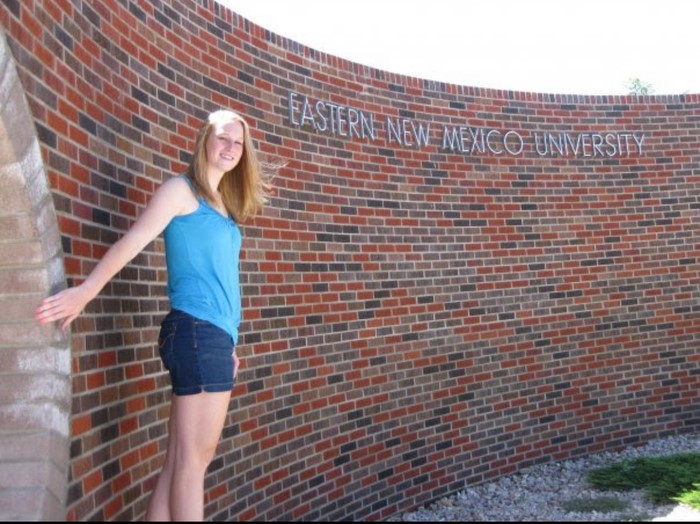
(198, 354)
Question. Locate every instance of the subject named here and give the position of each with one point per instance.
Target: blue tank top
(201, 254)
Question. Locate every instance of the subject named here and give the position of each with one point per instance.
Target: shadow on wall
(34, 360)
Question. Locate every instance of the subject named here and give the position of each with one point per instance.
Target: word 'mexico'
(347, 121)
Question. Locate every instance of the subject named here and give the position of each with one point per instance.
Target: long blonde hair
(245, 188)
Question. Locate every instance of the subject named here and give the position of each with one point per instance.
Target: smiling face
(224, 147)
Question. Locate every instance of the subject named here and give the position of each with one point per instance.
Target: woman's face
(224, 146)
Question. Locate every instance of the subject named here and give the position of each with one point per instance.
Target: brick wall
(419, 316)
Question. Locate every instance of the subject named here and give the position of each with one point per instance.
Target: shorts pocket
(214, 348)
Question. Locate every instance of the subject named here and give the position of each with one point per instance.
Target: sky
(586, 47)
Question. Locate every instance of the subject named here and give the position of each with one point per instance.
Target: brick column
(34, 360)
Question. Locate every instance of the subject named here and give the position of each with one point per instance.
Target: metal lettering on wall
(346, 121)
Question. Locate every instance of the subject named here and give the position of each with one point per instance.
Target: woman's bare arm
(174, 197)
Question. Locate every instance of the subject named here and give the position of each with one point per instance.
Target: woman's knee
(198, 455)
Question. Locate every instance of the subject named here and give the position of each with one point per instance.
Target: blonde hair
(245, 188)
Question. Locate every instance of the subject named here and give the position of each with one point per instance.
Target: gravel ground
(537, 493)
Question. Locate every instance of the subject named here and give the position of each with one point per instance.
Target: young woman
(198, 213)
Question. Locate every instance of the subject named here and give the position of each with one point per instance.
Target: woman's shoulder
(178, 189)
(178, 181)
(177, 185)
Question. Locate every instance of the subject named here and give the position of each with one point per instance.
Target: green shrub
(663, 479)
(691, 497)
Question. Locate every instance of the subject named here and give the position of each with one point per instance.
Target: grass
(664, 479)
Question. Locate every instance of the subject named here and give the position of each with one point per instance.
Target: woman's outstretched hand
(65, 305)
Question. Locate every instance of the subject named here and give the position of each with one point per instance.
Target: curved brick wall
(425, 308)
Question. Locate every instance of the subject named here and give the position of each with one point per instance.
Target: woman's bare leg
(198, 425)
(196, 422)
(159, 503)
